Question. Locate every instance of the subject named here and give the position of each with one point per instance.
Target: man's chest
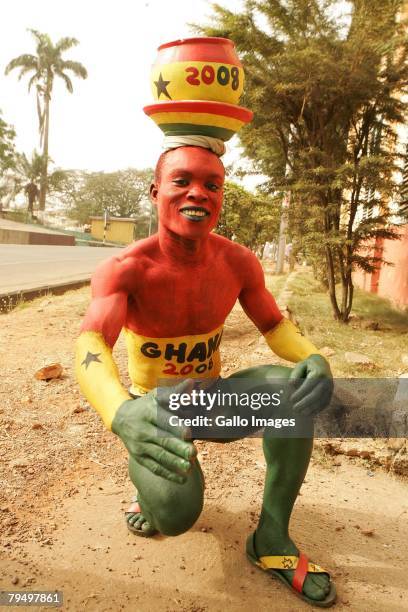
(171, 302)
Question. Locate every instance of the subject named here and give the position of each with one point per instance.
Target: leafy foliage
(7, 146)
(24, 173)
(249, 219)
(403, 199)
(7, 160)
(122, 193)
(28, 174)
(327, 99)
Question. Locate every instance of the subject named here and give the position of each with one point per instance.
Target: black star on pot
(161, 86)
(89, 358)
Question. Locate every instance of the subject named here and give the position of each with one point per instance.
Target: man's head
(188, 190)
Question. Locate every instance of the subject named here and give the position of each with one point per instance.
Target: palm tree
(46, 65)
(30, 171)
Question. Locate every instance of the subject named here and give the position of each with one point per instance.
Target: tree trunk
(44, 172)
(331, 277)
(344, 299)
(292, 261)
(351, 294)
(347, 299)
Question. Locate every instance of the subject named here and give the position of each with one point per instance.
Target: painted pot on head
(203, 68)
(197, 83)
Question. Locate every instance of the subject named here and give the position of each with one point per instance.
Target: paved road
(25, 267)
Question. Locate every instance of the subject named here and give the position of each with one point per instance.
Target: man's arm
(282, 336)
(142, 424)
(286, 341)
(96, 370)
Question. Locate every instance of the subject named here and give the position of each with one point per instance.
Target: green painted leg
(263, 375)
(287, 462)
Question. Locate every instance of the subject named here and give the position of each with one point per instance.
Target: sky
(101, 126)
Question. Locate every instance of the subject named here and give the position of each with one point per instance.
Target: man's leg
(167, 507)
(287, 460)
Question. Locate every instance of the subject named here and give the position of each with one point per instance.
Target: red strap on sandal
(134, 507)
(300, 573)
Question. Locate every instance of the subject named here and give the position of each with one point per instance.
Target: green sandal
(302, 566)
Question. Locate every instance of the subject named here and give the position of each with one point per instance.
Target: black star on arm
(89, 358)
(161, 86)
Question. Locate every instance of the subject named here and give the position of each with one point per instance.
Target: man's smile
(194, 213)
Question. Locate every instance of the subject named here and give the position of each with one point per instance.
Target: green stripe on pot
(183, 129)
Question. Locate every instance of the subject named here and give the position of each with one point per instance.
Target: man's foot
(136, 522)
(316, 588)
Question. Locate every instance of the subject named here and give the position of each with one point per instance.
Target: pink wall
(390, 281)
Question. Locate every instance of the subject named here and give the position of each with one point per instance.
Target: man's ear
(153, 193)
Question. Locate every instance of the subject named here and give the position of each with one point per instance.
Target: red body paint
(184, 280)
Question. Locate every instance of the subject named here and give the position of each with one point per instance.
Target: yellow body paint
(98, 375)
(287, 342)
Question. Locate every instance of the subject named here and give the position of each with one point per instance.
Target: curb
(11, 299)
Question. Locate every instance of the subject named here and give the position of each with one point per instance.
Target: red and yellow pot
(197, 83)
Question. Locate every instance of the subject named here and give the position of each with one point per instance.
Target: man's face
(190, 191)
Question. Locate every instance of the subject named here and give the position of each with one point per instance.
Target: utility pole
(280, 257)
(105, 223)
(284, 221)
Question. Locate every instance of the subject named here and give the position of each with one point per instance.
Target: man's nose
(196, 193)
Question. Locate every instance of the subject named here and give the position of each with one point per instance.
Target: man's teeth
(194, 213)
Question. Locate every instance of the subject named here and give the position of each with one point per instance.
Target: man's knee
(274, 371)
(180, 505)
(170, 507)
(173, 520)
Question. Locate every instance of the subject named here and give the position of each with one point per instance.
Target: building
(121, 230)
(388, 281)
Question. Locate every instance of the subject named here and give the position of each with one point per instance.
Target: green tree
(327, 97)
(7, 146)
(7, 156)
(250, 219)
(28, 172)
(46, 65)
(122, 193)
(403, 195)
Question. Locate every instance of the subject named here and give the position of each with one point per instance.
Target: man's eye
(181, 182)
(212, 187)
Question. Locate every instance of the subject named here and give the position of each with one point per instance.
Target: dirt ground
(64, 488)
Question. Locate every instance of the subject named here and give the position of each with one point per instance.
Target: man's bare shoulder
(123, 269)
(241, 261)
(234, 252)
(139, 250)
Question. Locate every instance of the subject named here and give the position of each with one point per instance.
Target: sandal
(133, 509)
(300, 564)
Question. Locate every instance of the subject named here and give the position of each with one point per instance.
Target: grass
(371, 306)
(33, 303)
(275, 283)
(22, 303)
(41, 300)
(311, 306)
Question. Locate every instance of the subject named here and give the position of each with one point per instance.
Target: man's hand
(315, 391)
(142, 424)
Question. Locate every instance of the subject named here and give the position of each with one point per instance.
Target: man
(33, 193)
(171, 294)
